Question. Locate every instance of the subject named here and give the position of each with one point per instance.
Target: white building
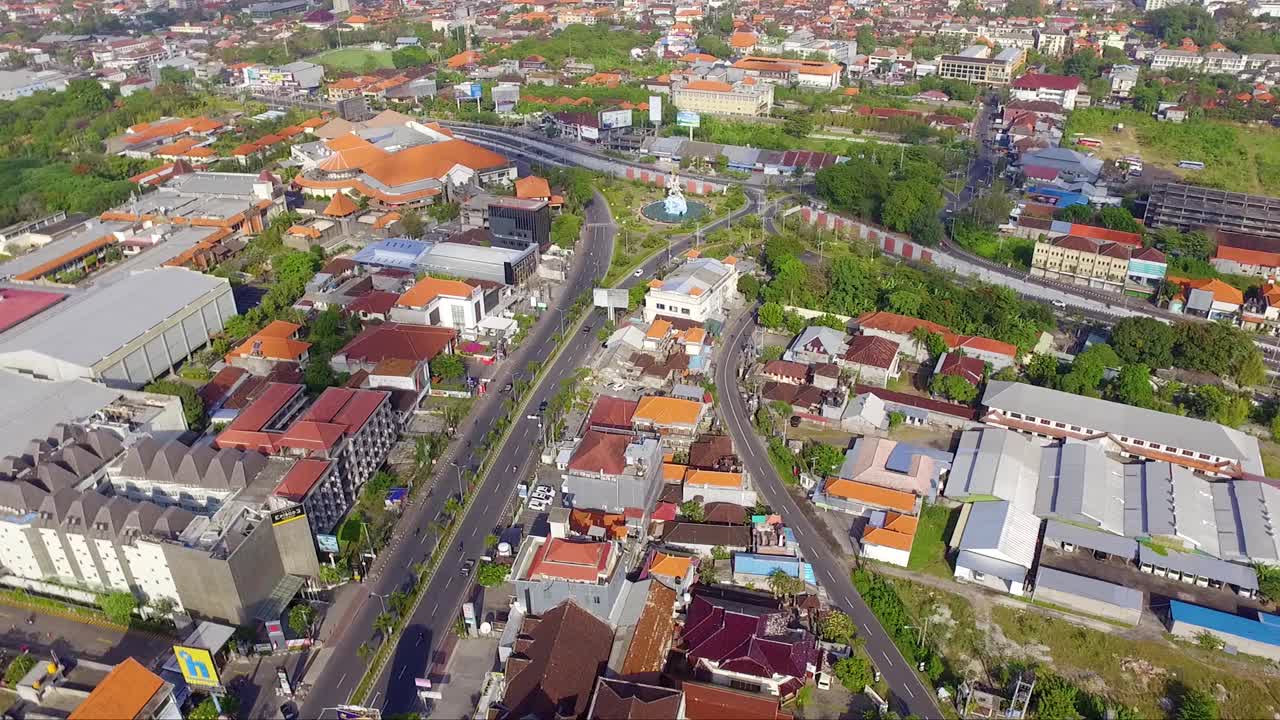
(698, 290)
(443, 303)
(997, 547)
(127, 333)
(22, 83)
(1058, 89)
(1224, 61)
(1164, 59)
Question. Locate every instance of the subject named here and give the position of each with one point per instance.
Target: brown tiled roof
(871, 350)
(600, 452)
(622, 700)
(712, 452)
(654, 631)
(704, 701)
(555, 662)
(612, 412)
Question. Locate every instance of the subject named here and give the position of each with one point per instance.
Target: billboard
(590, 133)
(288, 515)
(655, 109)
(327, 543)
(505, 98)
(611, 298)
(685, 118)
(467, 91)
(196, 665)
(615, 119)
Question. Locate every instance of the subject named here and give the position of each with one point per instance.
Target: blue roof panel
(763, 565)
(1263, 632)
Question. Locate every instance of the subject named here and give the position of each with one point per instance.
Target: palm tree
(783, 586)
(399, 602)
(421, 452)
(452, 506)
(384, 624)
(919, 335)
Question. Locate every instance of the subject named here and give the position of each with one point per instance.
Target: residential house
(698, 290)
(873, 360)
(276, 343)
(673, 418)
(888, 537)
(442, 303)
(707, 701)
(613, 471)
(708, 486)
(900, 328)
(816, 344)
(1059, 89)
(955, 364)
(700, 538)
(1083, 261)
(555, 661)
(549, 571)
(618, 699)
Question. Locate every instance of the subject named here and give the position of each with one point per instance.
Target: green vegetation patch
(354, 59)
(928, 553)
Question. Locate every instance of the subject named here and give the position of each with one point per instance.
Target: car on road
(586, 329)
(468, 567)
(542, 407)
(507, 388)
(1061, 305)
(639, 272)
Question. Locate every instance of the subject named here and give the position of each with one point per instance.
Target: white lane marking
(448, 583)
(344, 677)
(910, 691)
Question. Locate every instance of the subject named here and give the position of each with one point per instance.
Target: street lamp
(461, 494)
(381, 598)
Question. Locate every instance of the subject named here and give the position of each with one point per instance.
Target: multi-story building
(976, 66)
(1082, 261)
(300, 75)
(804, 73)
(1123, 78)
(352, 430)
(1224, 62)
(22, 83)
(1052, 42)
(162, 521)
(518, 224)
(613, 472)
(714, 97)
(698, 290)
(1167, 58)
(1188, 207)
(1059, 89)
(549, 570)
(443, 303)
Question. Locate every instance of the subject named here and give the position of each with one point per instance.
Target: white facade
(698, 290)
(1165, 59)
(886, 554)
(1065, 98)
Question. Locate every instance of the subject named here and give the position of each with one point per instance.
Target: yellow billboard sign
(196, 665)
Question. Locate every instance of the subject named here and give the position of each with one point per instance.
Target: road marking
(888, 662)
(344, 677)
(910, 692)
(448, 583)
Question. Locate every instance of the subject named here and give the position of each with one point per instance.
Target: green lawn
(353, 59)
(929, 552)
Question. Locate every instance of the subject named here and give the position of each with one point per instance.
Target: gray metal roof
(114, 316)
(998, 463)
(1163, 500)
(1092, 588)
(991, 566)
(32, 407)
(998, 529)
(1200, 565)
(1078, 482)
(1133, 422)
(1246, 512)
(1055, 531)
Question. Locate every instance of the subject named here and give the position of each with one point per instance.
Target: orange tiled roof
(123, 693)
(341, 206)
(274, 342)
(899, 532)
(668, 411)
(870, 494)
(714, 478)
(671, 566)
(429, 288)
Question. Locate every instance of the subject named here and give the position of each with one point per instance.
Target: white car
(544, 490)
(1061, 305)
(639, 272)
(539, 504)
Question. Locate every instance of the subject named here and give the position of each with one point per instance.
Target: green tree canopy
(954, 388)
(1145, 340)
(822, 459)
(192, 405)
(854, 672)
(118, 606)
(449, 366)
(491, 574)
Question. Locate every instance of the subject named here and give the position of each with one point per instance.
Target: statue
(675, 205)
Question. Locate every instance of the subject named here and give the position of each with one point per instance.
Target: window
(1075, 428)
(660, 306)
(1203, 456)
(459, 314)
(684, 311)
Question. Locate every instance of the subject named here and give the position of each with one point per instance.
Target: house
(548, 571)
(1209, 298)
(700, 538)
(441, 303)
(743, 639)
(619, 699)
(997, 546)
(786, 371)
(674, 571)
(668, 416)
(614, 472)
(873, 360)
(276, 343)
(894, 465)
(612, 414)
(707, 486)
(555, 661)
(1083, 261)
(900, 329)
(1060, 89)
(888, 537)
(971, 370)
(816, 344)
(862, 499)
(420, 343)
(707, 701)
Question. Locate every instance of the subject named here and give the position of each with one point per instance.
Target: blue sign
(327, 543)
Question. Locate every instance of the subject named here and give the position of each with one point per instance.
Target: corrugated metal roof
(1200, 565)
(998, 529)
(1227, 623)
(1055, 531)
(1092, 588)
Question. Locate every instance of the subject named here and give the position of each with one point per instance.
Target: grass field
(353, 59)
(1138, 673)
(928, 553)
(1236, 157)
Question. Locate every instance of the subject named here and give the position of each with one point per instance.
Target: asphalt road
(344, 668)
(910, 695)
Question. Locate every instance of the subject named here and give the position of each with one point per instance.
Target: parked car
(1061, 305)
(545, 489)
(468, 567)
(639, 272)
(539, 504)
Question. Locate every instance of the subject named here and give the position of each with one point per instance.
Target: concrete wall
(1241, 644)
(227, 590)
(541, 596)
(1088, 605)
(890, 242)
(297, 548)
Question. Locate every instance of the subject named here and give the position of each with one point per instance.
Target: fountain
(674, 208)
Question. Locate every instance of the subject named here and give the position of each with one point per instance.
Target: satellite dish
(486, 627)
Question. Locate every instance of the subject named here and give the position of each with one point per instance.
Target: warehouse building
(1188, 207)
(127, 333)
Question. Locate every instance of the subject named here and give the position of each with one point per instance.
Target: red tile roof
(612, 412)
(967, 368)
(561, 559)
(396, 340)
(247, 431)
(303, 476)
(601, 452)
(872, 350)
(1101, 233)
(18, 304)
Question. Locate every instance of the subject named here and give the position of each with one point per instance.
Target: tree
(318, 375)
(300, 618)
(935, 344)
(566, 228)
(1117, 218)
(993, 208)
(692, 511)
(783, 585)
(1143, 340)
(1197, 704)
(908, 201)
(491, 575)
(837, 627)
(1133, 386)
(1083, 63)
(770, 315)
(410, 57)
(1088, 369)
(799, 125)
(1268, 581)
(1055, 699)
(192, 405)
(707, 572)
(411, 223)
(854, 672)
(858, 185)
(18, 667)
(1075, 214)
(822, 459)
(954, 388)
(1211, 402)
(118, 606)
(1042, 370)
(1215, 348)
(384, 624)
(206, 710)
(449, 367)
(769, 353)
(363, 651)
(1181, 21)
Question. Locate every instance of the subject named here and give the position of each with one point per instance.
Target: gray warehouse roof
(1124, 547)
(1117, 419)
(32, 407)
(1092, 588)
(1078, 482)
(1201, 565)
(112, 317)
(996, 462)
(1246, 512)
